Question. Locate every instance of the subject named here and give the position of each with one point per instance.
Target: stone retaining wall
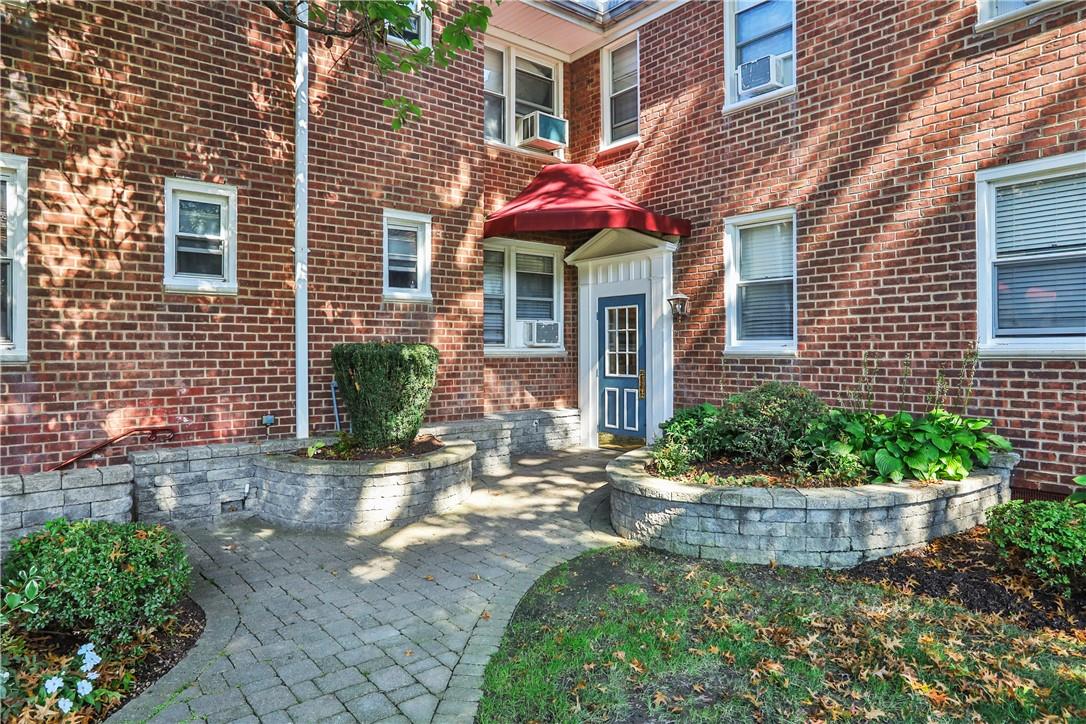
(198, 484)
(363, 496)
(27, 501)
(825, 527)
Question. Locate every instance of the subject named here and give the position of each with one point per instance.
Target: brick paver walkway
(394, 627)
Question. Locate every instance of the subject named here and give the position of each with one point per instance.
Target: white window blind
(1040, 257)
(623, 91)
(535, 286)
(493, 297)
(764, 294)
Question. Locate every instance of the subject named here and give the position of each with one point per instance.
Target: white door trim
(645, 272)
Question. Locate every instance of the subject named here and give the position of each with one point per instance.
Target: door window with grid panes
(622, 342)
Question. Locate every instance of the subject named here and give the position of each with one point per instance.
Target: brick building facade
(895, 107)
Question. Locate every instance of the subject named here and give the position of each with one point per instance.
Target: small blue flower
(53, 684)
(85, 648)
(84, 687)
(92, 675)
(65, 705)
(90, 660)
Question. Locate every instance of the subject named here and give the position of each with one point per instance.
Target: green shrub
(763, 425)
(105, 580)
(672, 457)
(1079, 495)
(938, 446)
(1044, 537)
(699, 429)
(386, 389)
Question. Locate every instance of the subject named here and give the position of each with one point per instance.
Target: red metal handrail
(154, 434)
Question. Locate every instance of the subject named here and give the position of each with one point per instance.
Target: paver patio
(309, 627)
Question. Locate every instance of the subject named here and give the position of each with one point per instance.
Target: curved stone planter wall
(826, 527)
(361, 496)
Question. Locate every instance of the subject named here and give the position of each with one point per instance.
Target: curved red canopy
(575, 197)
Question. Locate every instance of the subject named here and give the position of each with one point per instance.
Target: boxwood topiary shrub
(386, 389)
(101, 579)
(1044, 537)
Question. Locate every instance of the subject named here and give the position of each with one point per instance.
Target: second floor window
(621, 102)
(761, 48)
(417, 32)
(515, 85)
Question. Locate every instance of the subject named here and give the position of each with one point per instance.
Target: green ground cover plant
(1045, 538)
(628, 634)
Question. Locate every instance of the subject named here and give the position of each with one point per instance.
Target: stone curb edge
(222, 621)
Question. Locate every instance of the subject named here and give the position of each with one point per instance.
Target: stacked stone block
(362, 496)
(28, 501)
(823, 527)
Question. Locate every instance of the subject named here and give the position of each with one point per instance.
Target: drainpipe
(301, 226)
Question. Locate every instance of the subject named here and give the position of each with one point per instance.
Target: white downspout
(301, 225)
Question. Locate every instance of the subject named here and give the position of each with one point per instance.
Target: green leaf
(998, 441)
(887, 463)
(943, 443)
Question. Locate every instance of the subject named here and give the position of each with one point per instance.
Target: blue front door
(622, 365)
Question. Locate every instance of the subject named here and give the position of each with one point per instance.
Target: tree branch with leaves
(374, 23)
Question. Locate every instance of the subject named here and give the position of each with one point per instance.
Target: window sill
(407, 297)
(1034, 349)
(13, 356)
(522, 151)
(524, 351)
(207, 289)
(781, 351)
(757, 100)
(620, 145)
(983, 26)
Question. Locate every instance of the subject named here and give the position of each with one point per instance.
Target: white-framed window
(14, 232)
(991, 13)
(201, 237)
(516, 83)
(419, 34)
(522, 297)
(620, 91)
(407, 256)
(761, 33)
(760, 279)
(1031, 256)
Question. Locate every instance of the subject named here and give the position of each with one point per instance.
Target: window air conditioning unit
(541, 334)
(761, 75)
(542, 131)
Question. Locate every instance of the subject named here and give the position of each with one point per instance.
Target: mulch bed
(422, 444)
(967, 569)
(167, 647)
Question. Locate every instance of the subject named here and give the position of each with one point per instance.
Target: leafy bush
(672, 457)
(700, 430)
(386, 389)
(1044, 537)
(763, 425)
(104, 579)
(938, 446)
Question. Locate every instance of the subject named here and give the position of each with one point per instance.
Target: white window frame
(514, 332)
(731, 86)
(756, 347)
(424, 224)
(227, 197)
(16, 168)
(510, 53)
(426, 24)
(607, 142)
(988, 17)
(987, 181)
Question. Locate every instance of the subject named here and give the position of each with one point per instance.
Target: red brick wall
(108, 99)
(898, 104)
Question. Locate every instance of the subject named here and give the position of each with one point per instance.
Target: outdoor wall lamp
(678, 304)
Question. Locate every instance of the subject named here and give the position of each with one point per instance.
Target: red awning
(574, 197)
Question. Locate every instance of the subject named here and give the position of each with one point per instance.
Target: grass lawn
(631, 635)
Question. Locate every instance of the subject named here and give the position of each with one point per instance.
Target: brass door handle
(641, 384)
